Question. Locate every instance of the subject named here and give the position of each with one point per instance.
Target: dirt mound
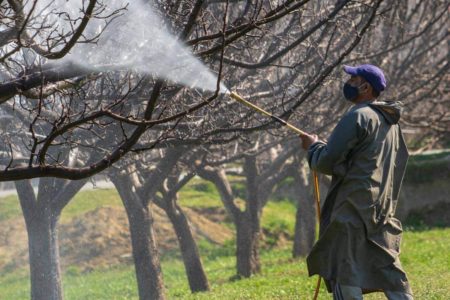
(101, 237)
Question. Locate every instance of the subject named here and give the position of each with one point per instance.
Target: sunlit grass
(83, 202)
(279, 216)
(424, 257)
(9, 207)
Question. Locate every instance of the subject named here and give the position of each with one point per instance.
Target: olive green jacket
(359, 240)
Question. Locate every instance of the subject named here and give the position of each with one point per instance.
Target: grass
(278, 219)
(199, 193)
(89, 200)
(83, 202)
(425, 258)
(9, 208)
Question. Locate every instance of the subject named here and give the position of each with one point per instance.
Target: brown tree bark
(136, 198)
(145, 253)
(247, 246)
(198, 282)
(248, 226)
(247, 234)
(304, 234)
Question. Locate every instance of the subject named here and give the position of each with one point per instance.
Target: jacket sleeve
(325, 157)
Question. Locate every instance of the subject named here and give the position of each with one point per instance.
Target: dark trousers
(346, 292)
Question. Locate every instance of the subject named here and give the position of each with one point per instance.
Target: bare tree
(261, 178)
(286, 51)
(41, 215)
(138, 185)
(136, 195)
(198, 281)
(282, 55)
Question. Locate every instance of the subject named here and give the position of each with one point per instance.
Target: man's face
(355, 81)
(364, 89)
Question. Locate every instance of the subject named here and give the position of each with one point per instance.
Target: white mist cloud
(136, 40)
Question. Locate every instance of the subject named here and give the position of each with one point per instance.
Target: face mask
(350, 91)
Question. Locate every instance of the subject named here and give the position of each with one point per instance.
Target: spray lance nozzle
(238, 98)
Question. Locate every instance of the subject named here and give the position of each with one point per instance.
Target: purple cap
(370, 73)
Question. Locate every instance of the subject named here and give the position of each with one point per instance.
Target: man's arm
(323, 157)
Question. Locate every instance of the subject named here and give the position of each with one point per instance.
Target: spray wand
(264, 112)
(301, 133)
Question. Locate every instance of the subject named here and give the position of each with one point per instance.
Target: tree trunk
(305, 218)
(41, 222)
(247, 246)
(45, 269)
(198, 282)
(248, 224)
(305, 223)
(145, 253)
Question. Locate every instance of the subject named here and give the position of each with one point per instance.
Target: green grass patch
(281, 278)
(85, 201)
(9, 207)
(114, 283)
(239, 189)
(15, 284)
(199, 193)
(424, 257)
(279, 217)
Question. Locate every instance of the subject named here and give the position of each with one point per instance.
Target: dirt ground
(101, 237)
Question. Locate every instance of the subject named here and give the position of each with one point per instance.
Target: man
(358, 248)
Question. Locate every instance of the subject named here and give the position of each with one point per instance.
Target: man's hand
(308, 140)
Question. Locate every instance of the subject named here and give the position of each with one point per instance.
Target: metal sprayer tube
(251, 105)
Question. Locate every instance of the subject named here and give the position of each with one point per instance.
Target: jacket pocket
(389, 237)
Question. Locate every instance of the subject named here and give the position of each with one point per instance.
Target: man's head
(365, 84)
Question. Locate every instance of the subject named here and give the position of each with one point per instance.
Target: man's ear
(364, 88)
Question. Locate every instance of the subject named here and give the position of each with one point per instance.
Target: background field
(425, 257)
